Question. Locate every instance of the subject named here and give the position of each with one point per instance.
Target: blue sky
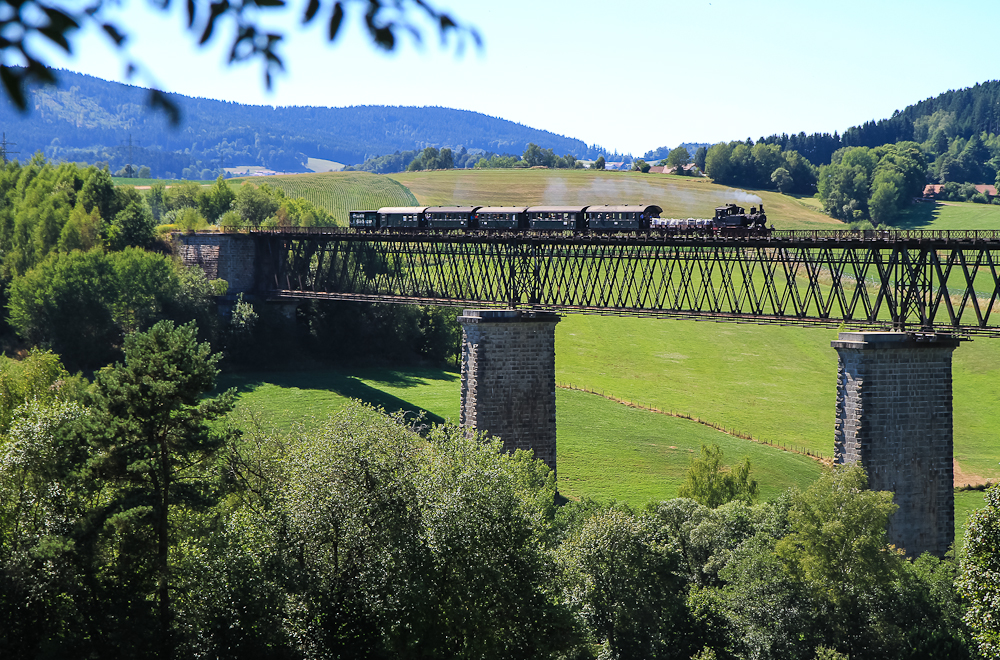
(629, 75)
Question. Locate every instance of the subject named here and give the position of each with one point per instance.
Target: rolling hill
(89, 119)
(340, 192)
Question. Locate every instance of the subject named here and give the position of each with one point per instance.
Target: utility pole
(131, 170)
(4, 150)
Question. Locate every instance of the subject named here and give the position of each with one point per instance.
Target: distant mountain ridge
(90, 119)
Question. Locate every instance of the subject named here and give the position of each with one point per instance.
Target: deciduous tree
(783, 180)
(622, 579)
(678, 157)
(254, 204)
(699, 158)
(979, 581)
(712, 484)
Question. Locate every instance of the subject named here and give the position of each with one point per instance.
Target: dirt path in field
(963, 478)
(825, 460)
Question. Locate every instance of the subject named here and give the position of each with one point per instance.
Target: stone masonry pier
(894, 414)
(509, 380)
(230, 257)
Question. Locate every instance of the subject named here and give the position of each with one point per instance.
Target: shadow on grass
(346, 385)
(920, 215)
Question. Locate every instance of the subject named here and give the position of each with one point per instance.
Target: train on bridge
(729, 220)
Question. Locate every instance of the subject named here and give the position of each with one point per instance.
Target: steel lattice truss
(914, 281)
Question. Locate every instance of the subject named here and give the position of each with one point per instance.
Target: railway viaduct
(902, 301)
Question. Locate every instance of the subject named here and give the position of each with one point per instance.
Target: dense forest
(90, 120)
(83, 262)
(970, 111)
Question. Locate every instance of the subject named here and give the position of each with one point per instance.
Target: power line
(4, 150)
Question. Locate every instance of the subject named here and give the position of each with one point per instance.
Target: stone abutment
(229, 257)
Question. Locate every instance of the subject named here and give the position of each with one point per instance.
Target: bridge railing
(790, 235)
(890, 235)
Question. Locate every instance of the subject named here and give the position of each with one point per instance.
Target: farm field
(680, 197)
(339, 192)
(323, 165)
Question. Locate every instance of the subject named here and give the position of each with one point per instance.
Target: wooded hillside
(88, 119)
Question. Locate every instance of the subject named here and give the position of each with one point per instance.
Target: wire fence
(791, 448)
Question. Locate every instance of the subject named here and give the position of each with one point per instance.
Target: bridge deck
(914, 280)
(790, 237)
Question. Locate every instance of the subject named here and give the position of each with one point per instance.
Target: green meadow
(950, 215)
(606, 450)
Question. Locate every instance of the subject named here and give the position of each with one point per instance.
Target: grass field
(323, 165)
(340, 192)
(607, 451)
(680, 197)
(950, 215)
(122, 181)
(774, 383)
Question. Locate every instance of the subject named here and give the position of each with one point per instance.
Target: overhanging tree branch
(23, 22)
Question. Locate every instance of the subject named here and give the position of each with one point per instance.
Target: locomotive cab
(730, 215)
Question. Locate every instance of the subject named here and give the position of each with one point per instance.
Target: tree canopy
(980, 579)
(712, 484)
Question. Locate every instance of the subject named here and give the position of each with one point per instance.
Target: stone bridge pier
(894, 415)
(509, 378)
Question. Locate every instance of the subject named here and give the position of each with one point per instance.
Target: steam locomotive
(729, 220)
